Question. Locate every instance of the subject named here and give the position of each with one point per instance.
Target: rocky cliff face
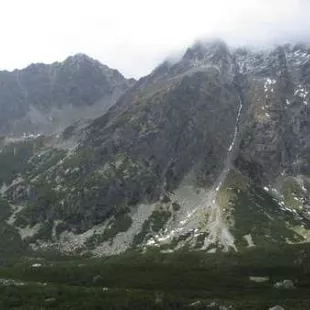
(210, 152)
(47, 98)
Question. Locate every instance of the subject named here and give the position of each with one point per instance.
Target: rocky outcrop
(275, 139)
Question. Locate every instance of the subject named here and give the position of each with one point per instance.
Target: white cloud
(135, 35)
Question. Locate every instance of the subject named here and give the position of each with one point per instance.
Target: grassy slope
(134, 280)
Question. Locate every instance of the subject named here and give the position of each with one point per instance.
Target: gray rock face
(276, 136)
(46, 98)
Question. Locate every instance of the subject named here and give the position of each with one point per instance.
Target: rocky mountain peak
(40, 98)
(80, 57)
(203, 50)
(79, 60)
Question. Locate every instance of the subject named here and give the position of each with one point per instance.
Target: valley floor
(153, 280)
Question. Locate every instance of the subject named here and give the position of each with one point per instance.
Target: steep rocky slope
(47, 98)
(210, 152)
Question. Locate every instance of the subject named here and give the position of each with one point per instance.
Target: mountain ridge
(40, 97)
(207, 153)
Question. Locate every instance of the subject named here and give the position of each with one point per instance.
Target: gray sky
(133, 36)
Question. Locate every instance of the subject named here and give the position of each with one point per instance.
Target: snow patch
(236, 127)
(302, 93)
(249, 240)
(268, 85)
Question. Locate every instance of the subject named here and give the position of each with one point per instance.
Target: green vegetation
(121, 223)
(235, 180)
(10, 241)
(81, 158)
(45, 206)
(255, 212)
(154, 223)
(292, 193)
(68, 132)
(14, 160)
(155, 280)
(175, 206)
(158, 219)
(40, 164)
(44, 233)
(5, 209)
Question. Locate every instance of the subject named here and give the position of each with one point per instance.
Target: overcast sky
(133, 36)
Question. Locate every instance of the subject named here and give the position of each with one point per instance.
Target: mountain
(210, 152)
(47, 98)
